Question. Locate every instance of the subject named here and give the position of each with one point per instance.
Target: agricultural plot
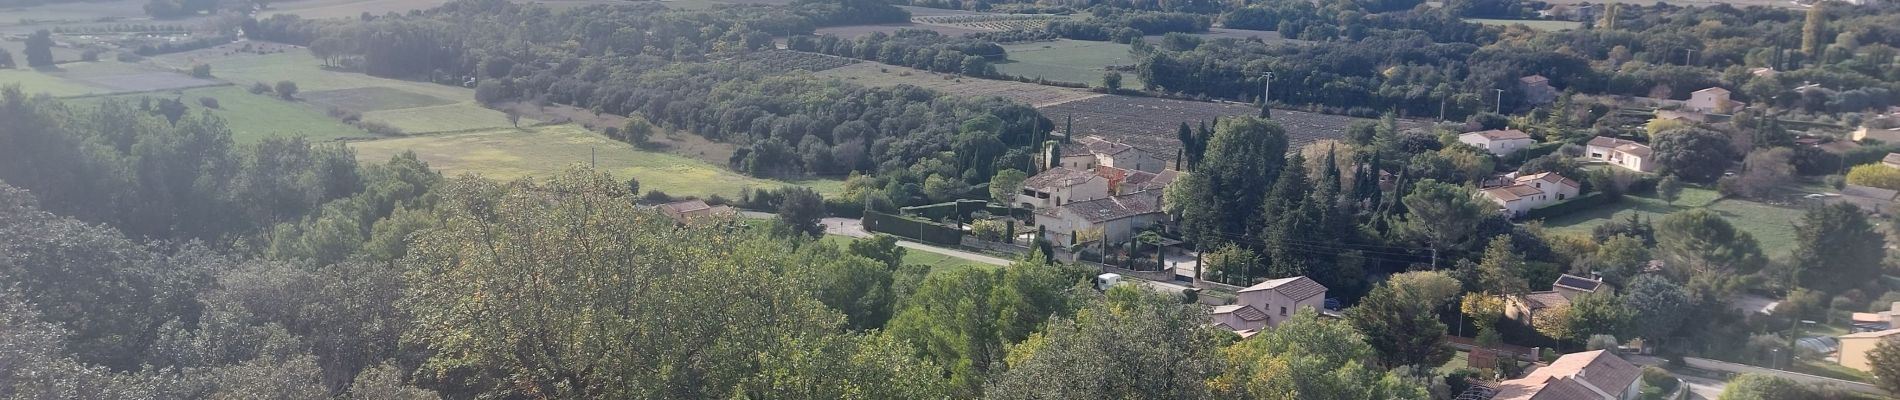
(101, 77)
(989, 22)
(1075, 61)
(790, 60)
(368, 99)
(252, 117)
(1151, 123)
(320, 9)
(505, 154)
(884, 75)
(1538, 24)
(854, 31)
(1227, 33)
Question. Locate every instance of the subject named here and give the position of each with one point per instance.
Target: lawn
(1065, 60)
(254, 117)
(508, 153)
(99, 77)
(1459, 359)
(1538, 24)
(1771, 225)
(32, 81)
(938, 263)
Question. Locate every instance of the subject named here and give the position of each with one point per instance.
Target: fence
(924, 231)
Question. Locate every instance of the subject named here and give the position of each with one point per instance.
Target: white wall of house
(1711, 102)
(1621, 159)
(1277, 306)
(1083, 162)
(1094, 188)
(1234, 322)
(1134, 160)
(1554, 191)
(1499, 147)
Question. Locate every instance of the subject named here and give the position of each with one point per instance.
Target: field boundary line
(181, 88)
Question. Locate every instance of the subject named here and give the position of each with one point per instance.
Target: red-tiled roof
(1244, 312)
(1570, 378)
(1296, 288)
(1545, 299)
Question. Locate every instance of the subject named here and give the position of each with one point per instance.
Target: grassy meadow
(254, 117)
(1077, 61)
(1771, 225)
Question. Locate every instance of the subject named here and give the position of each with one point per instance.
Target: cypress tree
(1811, 31)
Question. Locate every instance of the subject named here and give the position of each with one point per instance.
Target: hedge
(962, 209)
(924, 231)
(1579, 203)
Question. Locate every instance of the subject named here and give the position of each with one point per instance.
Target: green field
(1077, 61)
(1771, 225)
(508, 153)
(254, 117)
(1538, 24)
(32, 81)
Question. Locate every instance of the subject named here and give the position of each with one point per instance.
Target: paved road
(855, 228)
(1699, 387)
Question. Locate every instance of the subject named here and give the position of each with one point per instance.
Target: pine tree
(1288, 215)
(1068, 129)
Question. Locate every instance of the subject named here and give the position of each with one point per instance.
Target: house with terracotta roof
(1117, 217)
(1620, 152)
(1280, 298)
(1239, 317)
(1086, 153)
(1713, 100)
(1501, 142)
(1061, 185)
(1525, 308)
(1530, 192)
(1854, 347)
(1590, 375)
(1868, 198)
(692, 212)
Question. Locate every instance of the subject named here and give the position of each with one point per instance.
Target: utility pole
(1266, 97)
(1441, 107)
(1499, 108)
(1686, 55)
(592, 159)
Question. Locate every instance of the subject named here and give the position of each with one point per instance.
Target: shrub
(208, 102)
(89, 55)
(287, 90)
(988, 230)
(347, 116)
(201, 71)
(656, 196)
(1875, 175)
(260, 88)
(379, 128)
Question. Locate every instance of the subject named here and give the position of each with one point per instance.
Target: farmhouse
(1061, 185)
(1620, 152)
(1536, 89)
(1590, 375)
(694, 212)
(1127, 181)
(1269, 303)
(1854, 347)
(1501, 142)
(1712, 100)
(1093, 151)
(1868, 198)
(1116, 217)
(1524, 308)
(1530, 192)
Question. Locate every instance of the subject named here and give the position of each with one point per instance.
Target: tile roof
(1578, 282)
(1717, 89)
(1868, 192)
(1296, 288)
(1891, 158)
(1551, 177)
(1502, 134)
(1098, 145)
(1572, 376)
(1638, 150)
(1609, 142)
(1059, 177)
(685, 206)
(1244, 312)
(1546, 299)
(1114, 207)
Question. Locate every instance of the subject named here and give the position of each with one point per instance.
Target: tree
(260, 88)
(286, 90)
(1066, 359)
(1656, 307)
(880, 247)
(1242, 162)
(1502, 269)
(514, 117)
(1228, 264)
(1837, 249)
(1402, 328)
(857, 286)
(964, 319)
(1875, 175)
(1764, 387)
(1112, 81)
(1591, 314)
(1763, 171)
(1699, 242)
(1441, 215)
(1812, 31)
(1620, 258)
(1005, 184)
(202, 71)
(1885, 360)
(1693, 154)
(39, 49)
(1307, 357)
(633, 187)
(637, 130)
(802, 209)
(1669, 188)
(6, 59)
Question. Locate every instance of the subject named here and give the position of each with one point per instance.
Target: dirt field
(346, 8)
(879, 74)
(1151, 123)
(368, 99)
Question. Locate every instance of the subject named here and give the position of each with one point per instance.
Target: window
(1282, 310)
(1596, 155)
(1560, 196)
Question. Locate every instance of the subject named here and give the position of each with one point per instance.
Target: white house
(1533, 191)
(1620, 152)
(1501, 142)
(1281, 298)
(1712, 100)
(1590, 375)
(1061, 185)
(1117, 217)
(1086, 153)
